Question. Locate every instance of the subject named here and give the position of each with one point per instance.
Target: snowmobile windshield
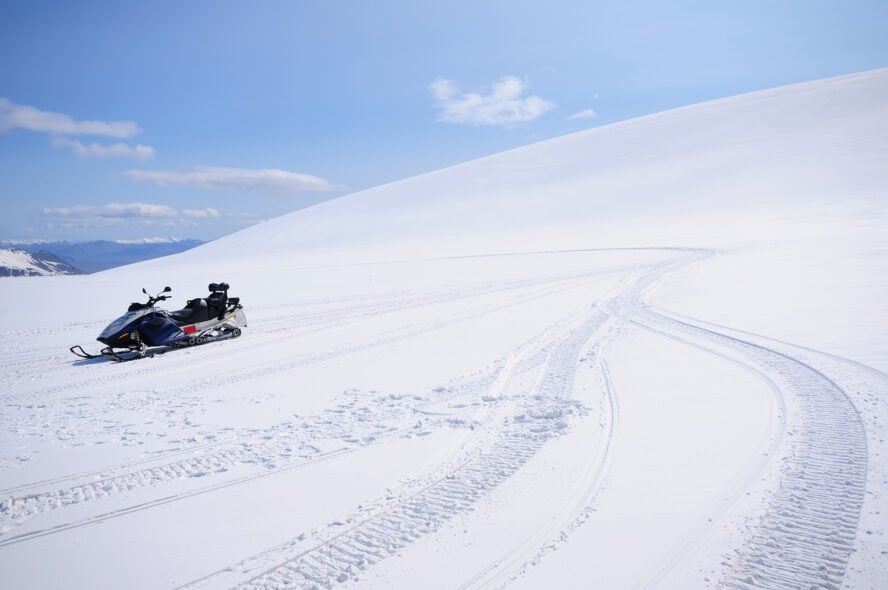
(122, 322)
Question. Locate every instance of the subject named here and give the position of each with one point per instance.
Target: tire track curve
(806, 535)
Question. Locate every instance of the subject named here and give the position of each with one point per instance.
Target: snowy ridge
(758, 152)
(18, 263)
(100, 255)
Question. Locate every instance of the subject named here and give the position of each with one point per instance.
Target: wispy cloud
(240, 179)
(113, 210)
(61, 126)
(156, 240)
(128, 216)
(97, 150)
(124, 210)
(584, 114)
(504, 104)
(16, 116)
(201, 213)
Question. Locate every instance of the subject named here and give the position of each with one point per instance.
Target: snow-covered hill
(650, 354)
(19, 263)
(718, 168)
(101, 255)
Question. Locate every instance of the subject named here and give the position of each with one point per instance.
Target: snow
(648, 354)
(20, 261)
(14, 262)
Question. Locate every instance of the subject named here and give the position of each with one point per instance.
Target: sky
(125, 120)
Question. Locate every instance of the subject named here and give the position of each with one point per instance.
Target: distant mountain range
(19, 263)
(84, 257)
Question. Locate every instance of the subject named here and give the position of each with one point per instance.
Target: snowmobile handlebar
(156, 298)
(152, 299)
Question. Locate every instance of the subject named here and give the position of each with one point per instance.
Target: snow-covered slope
(740, 160)
(19, 263)
(646, 355)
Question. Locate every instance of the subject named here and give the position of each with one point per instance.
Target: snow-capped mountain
(651, 354)
(19, 263)
(101, 255)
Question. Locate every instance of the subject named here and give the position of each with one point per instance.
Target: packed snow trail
(866, 389)
(813, 518)
(492, 455)
(286, 442)
(806, 536)
(581, 506)
(496, 421)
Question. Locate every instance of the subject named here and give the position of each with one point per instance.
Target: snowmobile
(145, 330)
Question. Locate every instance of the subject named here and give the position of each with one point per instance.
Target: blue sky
(124, 120)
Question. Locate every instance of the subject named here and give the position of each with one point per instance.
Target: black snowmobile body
(145, 329)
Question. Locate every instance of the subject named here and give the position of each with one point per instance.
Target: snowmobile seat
(196, 310)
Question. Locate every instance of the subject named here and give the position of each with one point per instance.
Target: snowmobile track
(407, 517)
(806, 535)
(282, 452)
(575, 513)
(539, 289)
(92, 520)
(281, 448)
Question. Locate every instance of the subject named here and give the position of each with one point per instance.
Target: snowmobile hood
(122, 322)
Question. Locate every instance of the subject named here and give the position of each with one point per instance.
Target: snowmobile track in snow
(538, 289)
(281, 448)
(576, 512)
(415, 513)
(282, 452)
(806, 535)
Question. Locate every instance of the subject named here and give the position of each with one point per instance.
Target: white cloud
(113, 210)
(584, 114)
(157, 240)
(504, 105)
(97, 150)
(120, 215)
(201, 213)
(268, 180)
(14, 116)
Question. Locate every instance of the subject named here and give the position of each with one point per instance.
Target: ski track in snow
(804, 537)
